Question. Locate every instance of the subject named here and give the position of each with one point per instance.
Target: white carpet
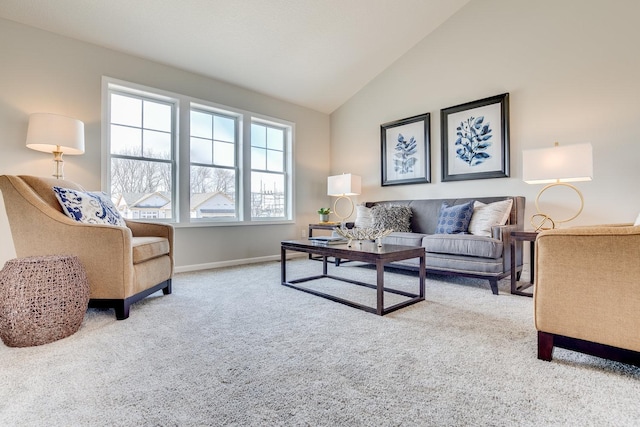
(234, 347)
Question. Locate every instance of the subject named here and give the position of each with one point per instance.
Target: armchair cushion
(146, 248)
(88, 207)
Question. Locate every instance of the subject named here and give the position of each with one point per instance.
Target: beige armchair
(587, 294)
(123, 264)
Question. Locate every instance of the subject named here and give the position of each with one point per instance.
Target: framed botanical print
(475, 139)
(406, 151)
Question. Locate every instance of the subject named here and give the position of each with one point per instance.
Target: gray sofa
(460, 254)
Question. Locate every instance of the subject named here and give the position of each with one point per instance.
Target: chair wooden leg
(545, 346)
(122, 310)
(167, 289)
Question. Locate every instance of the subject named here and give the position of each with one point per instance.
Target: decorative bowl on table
(363, 233)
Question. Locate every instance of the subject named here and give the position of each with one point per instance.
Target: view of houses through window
(142, 150)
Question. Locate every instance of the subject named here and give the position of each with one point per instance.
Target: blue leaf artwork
(473, 140)
(405, 160)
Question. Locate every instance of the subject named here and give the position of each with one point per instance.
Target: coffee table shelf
(368, 252)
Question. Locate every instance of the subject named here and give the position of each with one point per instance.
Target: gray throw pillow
(392, 217)
(454, 219)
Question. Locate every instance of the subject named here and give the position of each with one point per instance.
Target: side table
(523, 236)
(42, 299)
(326, 226)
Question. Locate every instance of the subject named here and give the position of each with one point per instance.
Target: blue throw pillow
(454, 219)
(88, 207)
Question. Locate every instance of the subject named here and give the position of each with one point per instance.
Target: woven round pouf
(42, 299)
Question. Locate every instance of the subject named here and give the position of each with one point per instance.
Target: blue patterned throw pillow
(88, 207)
(454, 219)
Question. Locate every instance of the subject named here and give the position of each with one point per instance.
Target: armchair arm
(588, 284)
(143, 229)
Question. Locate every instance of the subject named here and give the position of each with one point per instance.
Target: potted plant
(324, 214)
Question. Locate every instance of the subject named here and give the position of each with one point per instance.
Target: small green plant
(324, 211)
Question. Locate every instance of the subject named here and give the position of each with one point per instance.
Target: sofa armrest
(588, 284)
(503, 233)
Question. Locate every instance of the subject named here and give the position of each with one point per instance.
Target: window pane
(258, 136)
(258, 158)
(201, 151)
(224, 129)
(157, 116)
(126, 141)
(201, 124)
(157, 145)
(275, 139)
(267, 195)
(275, 161)
(126, 110)
(212, 192)
(141, 188)
(223, 153)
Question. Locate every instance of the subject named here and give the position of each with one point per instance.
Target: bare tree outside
(210, 180)
(139, 176)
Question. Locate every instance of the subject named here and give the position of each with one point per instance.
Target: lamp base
(58, 165)
(542, 221)
(335, 208)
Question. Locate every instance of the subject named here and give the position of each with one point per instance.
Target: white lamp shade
(343, 185)
(52, 132)
(568, 163)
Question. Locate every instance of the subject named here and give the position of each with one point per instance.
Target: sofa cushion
(404, 239)
(392, 217)
(454, 219)
(88, 207)
(486, 216)
(363, 217)
(146, 248)
(463, 244)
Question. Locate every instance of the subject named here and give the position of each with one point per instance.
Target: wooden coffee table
(367, 252)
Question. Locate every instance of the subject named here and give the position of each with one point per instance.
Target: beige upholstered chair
(587, 291)
(123, 264)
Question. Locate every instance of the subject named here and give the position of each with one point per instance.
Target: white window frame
(181, 155)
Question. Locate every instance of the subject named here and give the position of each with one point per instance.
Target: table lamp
(555, 166)
(52, 133)
(343, 186)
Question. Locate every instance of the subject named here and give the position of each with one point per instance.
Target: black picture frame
(475, 139)
(406, 151)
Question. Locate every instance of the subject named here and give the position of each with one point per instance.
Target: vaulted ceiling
(314, 53)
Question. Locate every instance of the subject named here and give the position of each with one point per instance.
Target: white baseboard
(234, 262)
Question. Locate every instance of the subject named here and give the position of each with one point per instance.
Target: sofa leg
(545, 346)
(494, 286)
(167, 289)
(122, 310)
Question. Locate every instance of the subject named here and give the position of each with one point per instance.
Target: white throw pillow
(363, 217)
(88, 207)
(486, 216)
(637, 220)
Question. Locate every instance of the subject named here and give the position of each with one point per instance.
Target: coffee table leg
(283, 264)
(423, 274)
(380, 287)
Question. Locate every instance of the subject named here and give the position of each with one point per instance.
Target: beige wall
(43, 72)
(572, 69)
